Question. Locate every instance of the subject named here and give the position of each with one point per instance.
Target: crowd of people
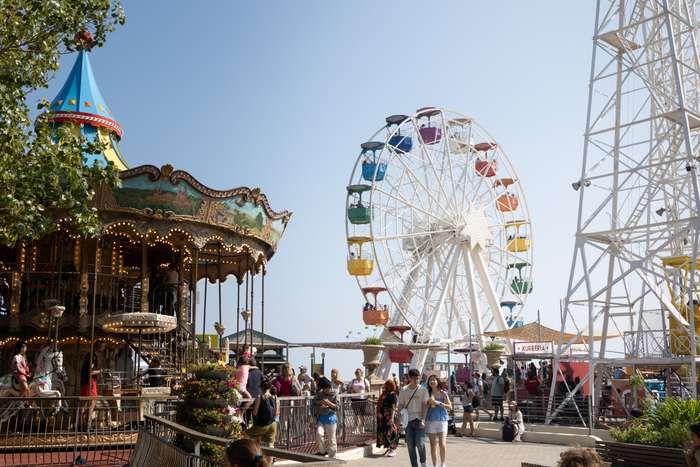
(420, 406)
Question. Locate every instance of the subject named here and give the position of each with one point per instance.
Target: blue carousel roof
(80, 101)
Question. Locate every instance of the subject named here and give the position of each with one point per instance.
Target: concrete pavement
(466, 452)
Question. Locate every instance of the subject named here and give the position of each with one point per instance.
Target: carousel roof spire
(80, 102)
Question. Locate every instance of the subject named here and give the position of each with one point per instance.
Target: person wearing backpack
(264, 426)
(497, 393)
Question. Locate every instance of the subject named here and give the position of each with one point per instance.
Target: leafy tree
(40, 175)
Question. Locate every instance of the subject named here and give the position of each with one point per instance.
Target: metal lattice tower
(633, 271)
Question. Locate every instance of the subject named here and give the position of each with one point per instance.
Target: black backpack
(266, 411)
(508, 431)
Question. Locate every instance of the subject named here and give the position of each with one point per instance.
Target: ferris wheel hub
(474, 228)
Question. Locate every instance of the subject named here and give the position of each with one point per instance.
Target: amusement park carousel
(128, 295)
(439, 238)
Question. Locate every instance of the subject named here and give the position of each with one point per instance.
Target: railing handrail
(157, 397)
(345, 395)
(273, 452)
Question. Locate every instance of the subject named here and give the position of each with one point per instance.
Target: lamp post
(245, 314)
(220, 331)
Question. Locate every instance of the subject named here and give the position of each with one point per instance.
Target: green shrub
(665, 425)
(373, 341)
(494, 346)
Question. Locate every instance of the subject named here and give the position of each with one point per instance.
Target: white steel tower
(633, 273)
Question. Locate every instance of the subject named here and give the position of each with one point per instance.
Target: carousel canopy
(535, 332)
(232, 231)
(80, 102)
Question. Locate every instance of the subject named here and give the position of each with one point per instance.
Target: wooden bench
(639, 455)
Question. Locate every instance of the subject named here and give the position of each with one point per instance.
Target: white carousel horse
(49, 364)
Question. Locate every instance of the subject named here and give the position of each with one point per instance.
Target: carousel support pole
(94, 303)
(60, 281)
(252, 314)
(55, 340)
(247, 277)
(218, 272)
(206, 286)
(238, 319)
(138, 367)
(193, 297)
(262, 322)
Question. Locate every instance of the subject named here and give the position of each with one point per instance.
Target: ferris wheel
(437, 219)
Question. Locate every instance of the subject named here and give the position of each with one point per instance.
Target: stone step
(572, 430)
(492, 430)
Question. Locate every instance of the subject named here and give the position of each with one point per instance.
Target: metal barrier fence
(533, 407)
(297, 427)
(55, 431)
(160, 441)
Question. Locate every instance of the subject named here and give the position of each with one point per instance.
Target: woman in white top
(516, 416)
(359, 385)
(336, 383)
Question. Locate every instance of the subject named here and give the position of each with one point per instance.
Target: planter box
(400, 355)
(639, 455)
(371, 354)
(493, 358)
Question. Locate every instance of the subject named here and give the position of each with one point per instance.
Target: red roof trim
(86, 118)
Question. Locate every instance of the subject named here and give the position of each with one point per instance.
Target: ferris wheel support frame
(654, 42)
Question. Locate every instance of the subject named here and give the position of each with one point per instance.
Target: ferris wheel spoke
(448, 154)
(423, 186)
(438, 179)
(412, 235)
(406, 202)
(402, 184)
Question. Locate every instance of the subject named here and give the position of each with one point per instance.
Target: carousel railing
(54, 431)
(115, 293)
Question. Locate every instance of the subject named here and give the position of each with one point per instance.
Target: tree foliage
(41, 175)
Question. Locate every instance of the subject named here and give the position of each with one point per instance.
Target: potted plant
(493, 352)
(370, 349)
(210, 404)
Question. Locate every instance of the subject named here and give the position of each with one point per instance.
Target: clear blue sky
(280, 95)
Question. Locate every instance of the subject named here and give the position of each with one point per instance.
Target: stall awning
(535, 332)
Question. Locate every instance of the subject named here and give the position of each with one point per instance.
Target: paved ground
(464, 452)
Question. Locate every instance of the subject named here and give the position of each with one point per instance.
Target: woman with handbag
(437, 418)
(387, 432)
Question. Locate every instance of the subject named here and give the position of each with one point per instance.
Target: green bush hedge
(665, 425)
